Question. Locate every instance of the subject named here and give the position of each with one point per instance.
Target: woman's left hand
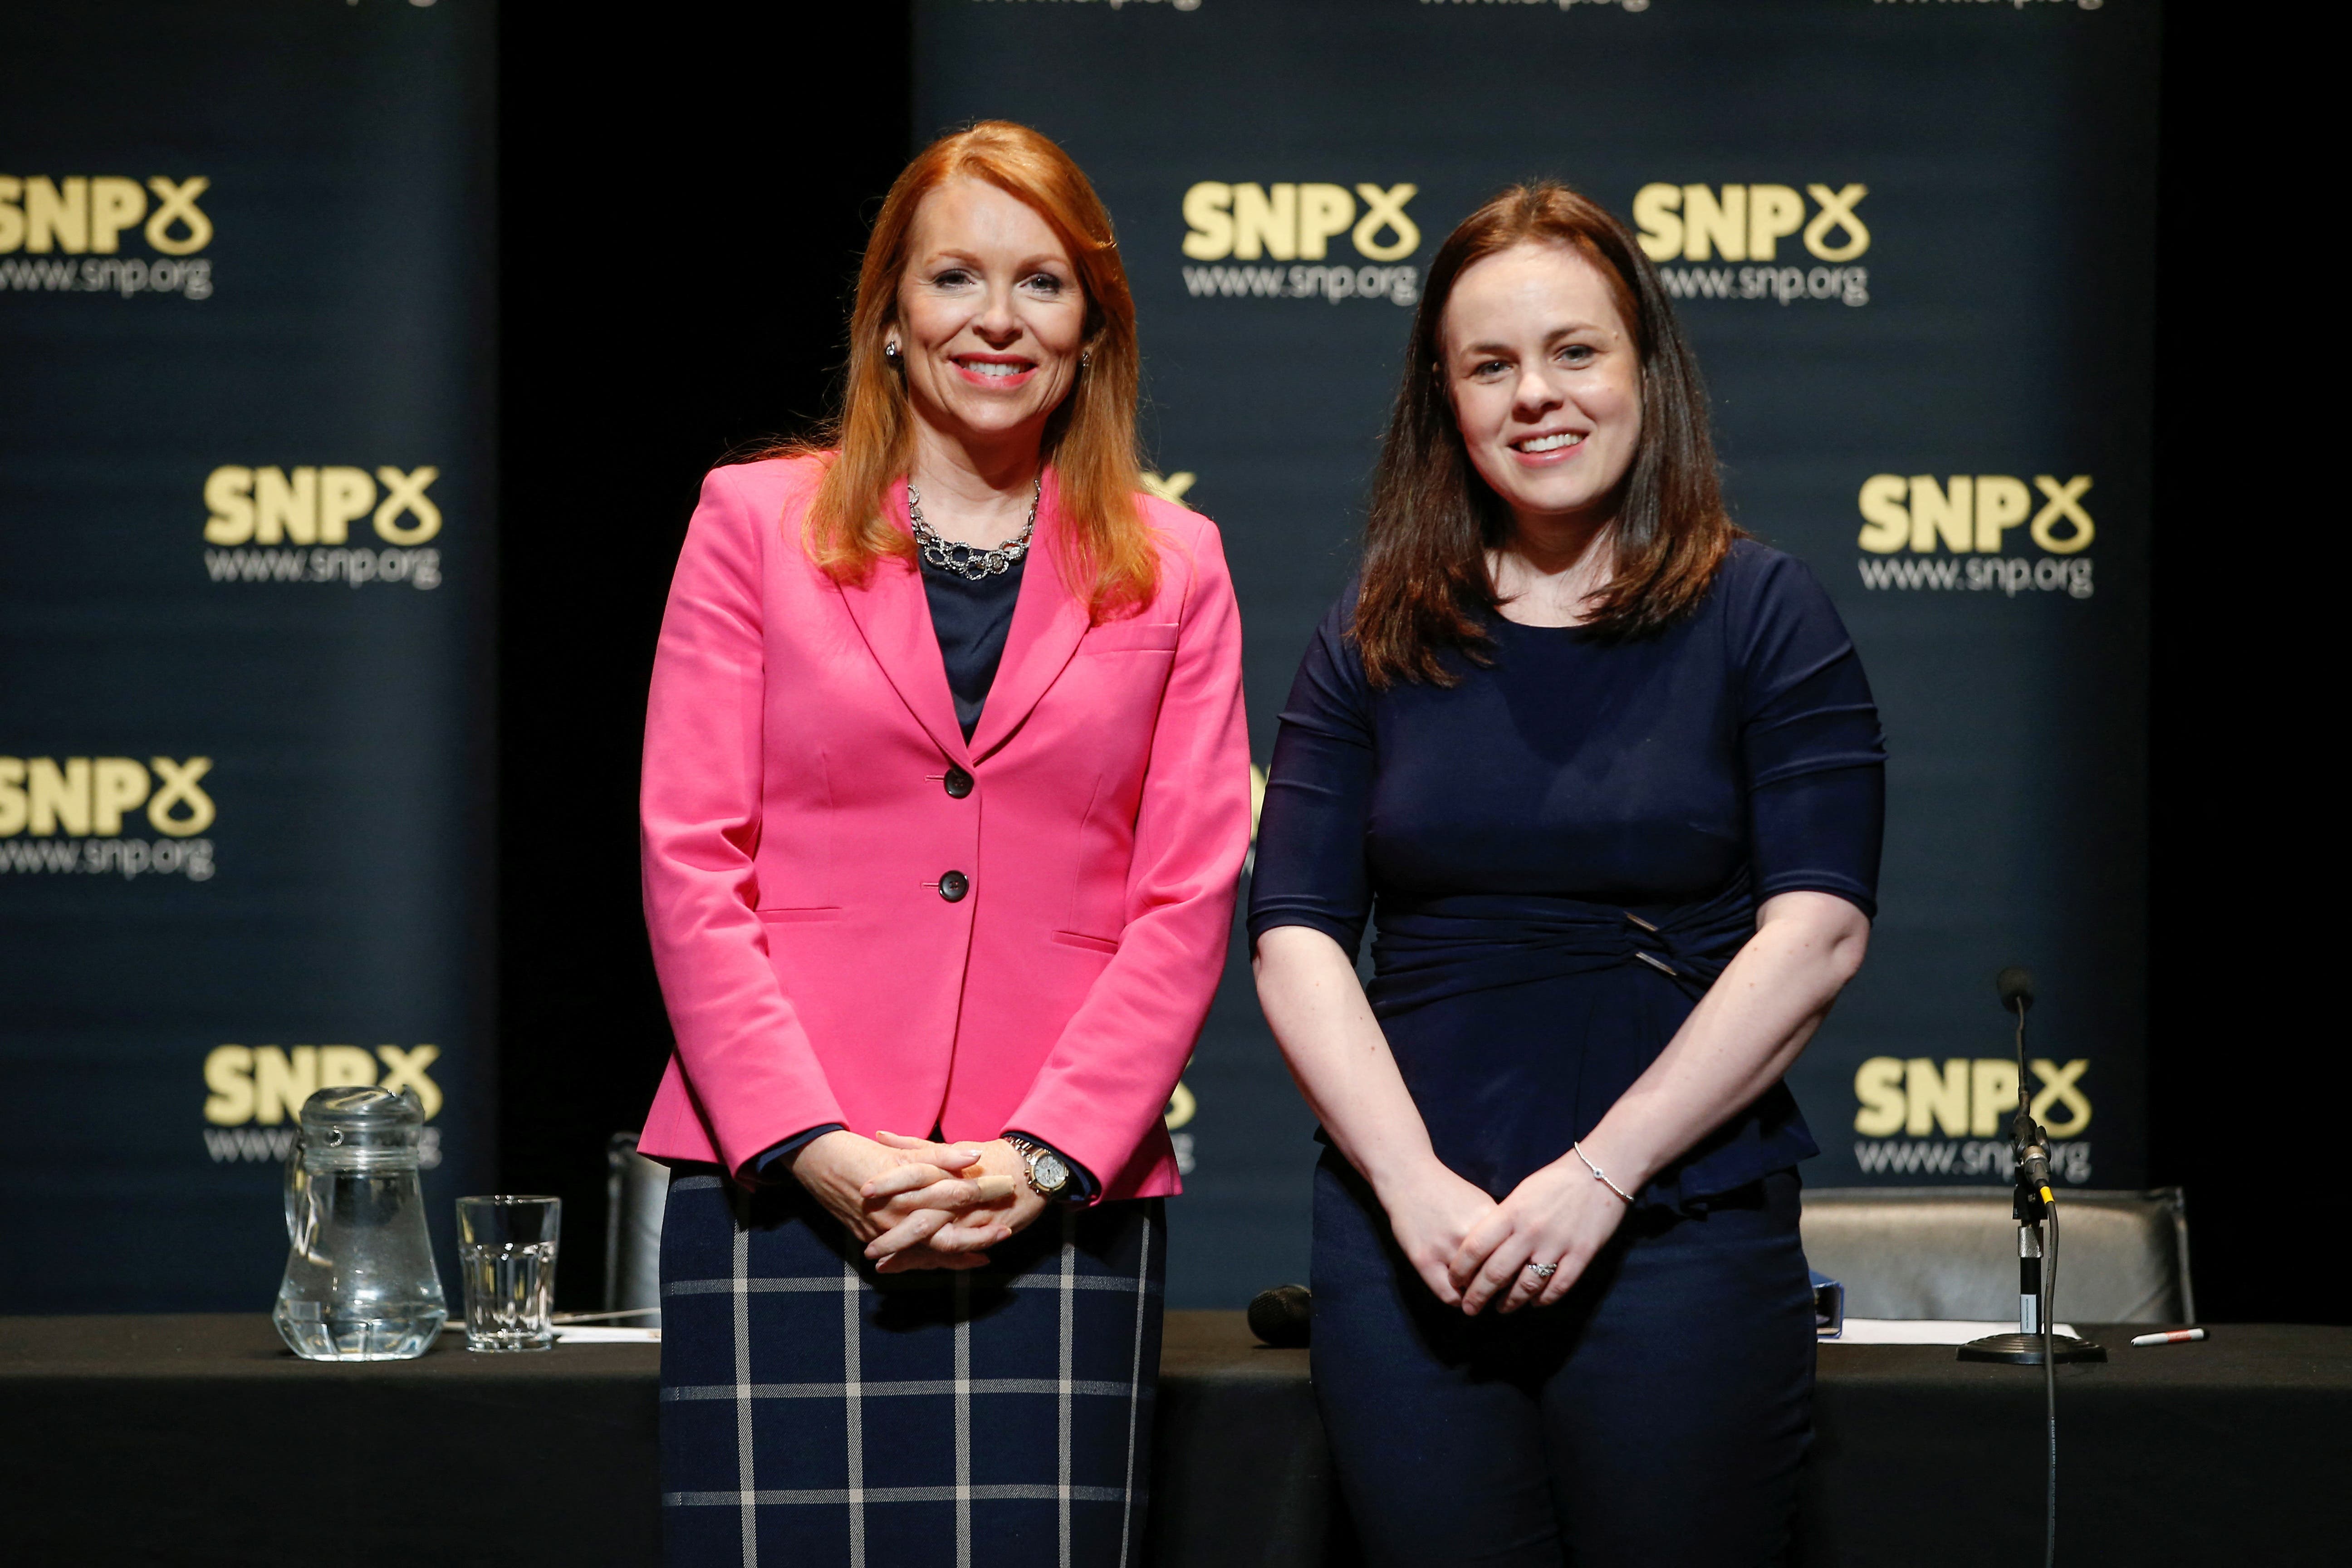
(1560, 1214)
(1000, 1171)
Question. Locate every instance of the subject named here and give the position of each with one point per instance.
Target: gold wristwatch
(1049, 1173)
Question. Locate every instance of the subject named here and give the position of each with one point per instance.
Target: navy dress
(1557, 856)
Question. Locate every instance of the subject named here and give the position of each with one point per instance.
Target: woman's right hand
(1429, 1213)
(1307, 984)
(897, 1204)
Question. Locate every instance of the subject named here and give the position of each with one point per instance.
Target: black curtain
(684, 200)
(2242, 847)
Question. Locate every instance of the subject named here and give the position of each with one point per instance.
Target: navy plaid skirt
(816, 1413)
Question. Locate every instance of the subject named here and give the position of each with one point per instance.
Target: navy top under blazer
(1559, 854)
(973, 620)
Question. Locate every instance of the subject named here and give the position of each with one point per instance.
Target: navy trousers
(817, 1414)
(1656, 1416)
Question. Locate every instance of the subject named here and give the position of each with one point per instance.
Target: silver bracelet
(1596, 1175)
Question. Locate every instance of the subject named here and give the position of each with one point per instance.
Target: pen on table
(2177, 1337)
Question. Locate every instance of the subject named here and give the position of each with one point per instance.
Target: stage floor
(198, 1439)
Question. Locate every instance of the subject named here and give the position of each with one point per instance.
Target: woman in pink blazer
(946, 793)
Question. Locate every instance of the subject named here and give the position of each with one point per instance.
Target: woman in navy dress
(1605, 779)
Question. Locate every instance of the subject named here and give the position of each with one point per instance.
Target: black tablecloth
(199, 1440)
(2234, 1450)
(203, 1440)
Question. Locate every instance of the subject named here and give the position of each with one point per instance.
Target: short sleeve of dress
(1815, 760)
(1310, 868)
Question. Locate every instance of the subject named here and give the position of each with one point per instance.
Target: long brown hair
(1105, 552)
(1426, 587)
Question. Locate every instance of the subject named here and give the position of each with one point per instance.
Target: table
(2235, 1450)
(198, 1441)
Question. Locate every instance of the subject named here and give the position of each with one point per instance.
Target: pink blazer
(797, 831)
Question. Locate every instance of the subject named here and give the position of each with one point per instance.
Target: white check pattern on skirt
(813, 1412)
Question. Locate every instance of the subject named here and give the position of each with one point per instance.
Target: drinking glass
(506, 1248)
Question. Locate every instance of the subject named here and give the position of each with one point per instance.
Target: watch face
(1051, 1174)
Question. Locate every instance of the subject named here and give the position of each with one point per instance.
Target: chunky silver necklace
(970, 561)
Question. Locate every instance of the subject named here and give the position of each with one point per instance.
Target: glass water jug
(360, 1281)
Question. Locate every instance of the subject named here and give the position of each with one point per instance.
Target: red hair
(1105, 552)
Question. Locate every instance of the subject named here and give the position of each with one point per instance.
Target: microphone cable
(2049, 1367)
(2016, 988)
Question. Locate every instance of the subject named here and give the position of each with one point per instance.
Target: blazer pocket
(1091, 943)
(1132, 637)
(798, 917)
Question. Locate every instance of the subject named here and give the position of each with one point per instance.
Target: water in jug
(360, 1281)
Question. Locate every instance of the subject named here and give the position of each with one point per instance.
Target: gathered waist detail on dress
(1452, 944)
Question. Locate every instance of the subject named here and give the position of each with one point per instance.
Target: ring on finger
(1543, 1270)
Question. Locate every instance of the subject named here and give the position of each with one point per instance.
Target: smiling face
(991, 315)
(1545, 379)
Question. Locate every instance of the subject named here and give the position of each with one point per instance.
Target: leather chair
(1951, 1252)
(635, 1188)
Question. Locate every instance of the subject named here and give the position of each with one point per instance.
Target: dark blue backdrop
(246, 487)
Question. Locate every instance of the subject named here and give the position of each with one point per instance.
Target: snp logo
(1963, 1099)
(1746, 223)
(1300, 222)
(253, 1094)
(317, 506)
(1749, 223)
(91, 216)
(68, 815)
(1972, 515)
(82, 213)
(88, 796)
(1288, 222)
(257, 511)
(1922, 1117)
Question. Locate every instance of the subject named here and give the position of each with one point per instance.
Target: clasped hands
(920, 1205)
(1471, 1250)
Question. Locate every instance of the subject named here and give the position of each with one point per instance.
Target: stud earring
(890, 351)
(1085, 358)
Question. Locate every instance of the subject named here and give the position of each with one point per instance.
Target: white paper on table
(1922, 1331)
(605, 1334)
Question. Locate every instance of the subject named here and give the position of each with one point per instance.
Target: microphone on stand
(2027, 1143)
(2037, 1341)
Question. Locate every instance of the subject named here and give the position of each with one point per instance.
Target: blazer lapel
(1047, 622)
(894, 617)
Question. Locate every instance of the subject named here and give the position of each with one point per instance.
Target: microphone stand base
(2025, 1349)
